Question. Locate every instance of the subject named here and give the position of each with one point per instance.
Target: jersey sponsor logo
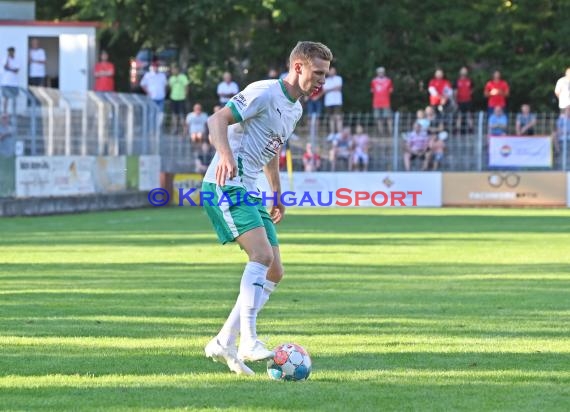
(279, 111)
(274, 143)
(240, 100)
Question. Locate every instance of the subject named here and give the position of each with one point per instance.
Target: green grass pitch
(408, 309)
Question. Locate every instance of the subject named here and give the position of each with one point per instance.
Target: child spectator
(361, 145)
(437, 149)
(311, 160)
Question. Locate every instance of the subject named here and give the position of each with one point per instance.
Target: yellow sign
(186, 182)
(504, 189)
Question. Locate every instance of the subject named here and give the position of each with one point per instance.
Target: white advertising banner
(110, 174)
(149, 172)
(54, 176)
(372, 189)
(519, 151)
(568, 189)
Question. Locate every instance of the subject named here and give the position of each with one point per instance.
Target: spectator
(423, 120)
(315, 106)
(497, 91)
(9, 80)
(37, 60)
(272, 74)
(435, 125)
(196, 122)
(437, 149)
(311, 160)
(203, 158)
(381, 88)
(178, 85)
(104, 74)
(498, 122)
(562, 129)
(154, 85)
(417, 146)
(361, 146)
(525, 121)
(341, 148)
(283, 158)
(463, 97)
(333, 100)
(227, 89)
(562, 91)
(440, 91)
(7, 138)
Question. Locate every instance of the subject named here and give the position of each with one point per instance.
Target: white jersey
(267, 117)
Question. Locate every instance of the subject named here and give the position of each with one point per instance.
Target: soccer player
(247, 135)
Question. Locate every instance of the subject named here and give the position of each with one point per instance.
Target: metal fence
(44, 121)
(466, 146)
(48, 122)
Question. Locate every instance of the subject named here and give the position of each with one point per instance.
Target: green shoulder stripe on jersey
(285, 92)
(235, 112)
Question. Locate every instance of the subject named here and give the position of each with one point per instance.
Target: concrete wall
(73, 204)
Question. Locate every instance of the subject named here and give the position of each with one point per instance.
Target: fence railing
(466, 145)
(45, 121)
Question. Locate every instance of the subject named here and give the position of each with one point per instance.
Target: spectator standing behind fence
(417, 146)
(381, 88)
(315, 105)
(435, 125)
(104, 74)
(37, 61)
(195, 126)
(464, 97)
(361, 147)
(311, 159)
(498, 122)
(496, 90)
(562, 91)
(203, 158)
(333, 100)
(227, 89)
(341, 148)
(562, 131)
(437, 149)
(422, 120)
(7, 138)
(178, 85)
(9, 81)
(154, 84)
(525, 121)
(440, 91)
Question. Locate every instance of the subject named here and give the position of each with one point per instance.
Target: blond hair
(308, 50)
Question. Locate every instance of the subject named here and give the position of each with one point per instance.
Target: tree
(525, 39)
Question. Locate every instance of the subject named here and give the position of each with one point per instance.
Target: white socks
(235, 322)
(250, 291)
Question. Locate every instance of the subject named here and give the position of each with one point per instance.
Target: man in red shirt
(381, 88)
(463, 97)
(439, 90)
(104, 74)
(497, 91)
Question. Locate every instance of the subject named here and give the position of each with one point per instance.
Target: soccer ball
(291, 363)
